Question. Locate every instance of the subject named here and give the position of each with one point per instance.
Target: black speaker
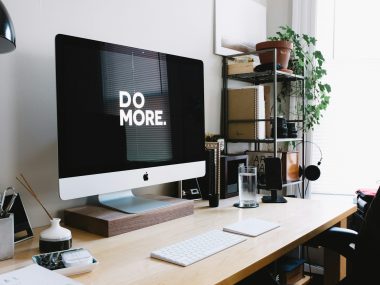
(282, 128)
(292, 130)
(273, 172)
(273, 177)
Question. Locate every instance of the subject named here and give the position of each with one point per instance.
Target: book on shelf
(289, 160)
(257, 159)
(245, 106)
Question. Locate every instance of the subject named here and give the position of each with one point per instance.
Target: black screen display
(122, 108)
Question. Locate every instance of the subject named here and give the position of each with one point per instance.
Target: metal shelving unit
(265, 77)
(274, 77)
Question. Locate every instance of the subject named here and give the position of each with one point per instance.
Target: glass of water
(247, 187)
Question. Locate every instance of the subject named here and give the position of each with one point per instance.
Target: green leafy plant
(306, 60)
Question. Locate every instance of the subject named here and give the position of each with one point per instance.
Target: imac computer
(127, 118)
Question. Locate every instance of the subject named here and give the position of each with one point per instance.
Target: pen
(10, 204)
(2, 200)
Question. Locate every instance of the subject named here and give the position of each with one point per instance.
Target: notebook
(35, 274)
(251, 227)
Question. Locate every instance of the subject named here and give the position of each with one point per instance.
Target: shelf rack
(265, 77)
(273, 76)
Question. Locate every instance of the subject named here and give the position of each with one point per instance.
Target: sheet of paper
(251, 227)
(35, 274)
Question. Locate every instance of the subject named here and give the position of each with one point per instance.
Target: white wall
(28, 142)
(279, 13)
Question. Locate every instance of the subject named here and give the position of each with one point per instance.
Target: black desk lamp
(7, 32)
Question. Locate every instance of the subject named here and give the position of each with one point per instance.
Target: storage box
(290, 166)
(293, 276)
(246, 104)
(291, 270)
(304, 281)
(240, 67)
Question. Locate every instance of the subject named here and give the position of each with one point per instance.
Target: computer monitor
(127, 118)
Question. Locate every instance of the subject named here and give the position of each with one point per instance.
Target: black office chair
(364, 256)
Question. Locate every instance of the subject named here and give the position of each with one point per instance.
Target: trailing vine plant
(306, 60)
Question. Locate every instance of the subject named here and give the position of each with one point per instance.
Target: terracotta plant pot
(283, 52)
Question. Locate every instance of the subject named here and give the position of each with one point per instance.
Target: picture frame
(239, 26)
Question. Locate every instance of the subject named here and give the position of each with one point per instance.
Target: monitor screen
(123, 109)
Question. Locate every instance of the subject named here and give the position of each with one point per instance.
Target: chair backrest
(366, 269)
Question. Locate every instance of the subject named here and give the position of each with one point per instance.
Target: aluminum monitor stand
(127, 202)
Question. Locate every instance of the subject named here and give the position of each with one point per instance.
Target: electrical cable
(299, 191)
(200, 192)
(307, 186)
(317, 146)
(308, 261)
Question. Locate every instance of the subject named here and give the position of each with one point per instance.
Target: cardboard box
(304, 281)
(246, 104)
(290, 166)
(292, 276)
(291, 270)
(240, 67)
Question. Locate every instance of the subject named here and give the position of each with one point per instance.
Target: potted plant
(308, 61)
(283, 47)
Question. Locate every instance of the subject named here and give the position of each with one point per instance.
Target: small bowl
(60, 267)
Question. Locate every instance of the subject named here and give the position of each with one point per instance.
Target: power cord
(308, 261)
(200, 192)
(299, 191)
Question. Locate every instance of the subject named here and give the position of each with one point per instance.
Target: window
(347, 33)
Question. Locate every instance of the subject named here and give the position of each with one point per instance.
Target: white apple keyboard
(197, 248)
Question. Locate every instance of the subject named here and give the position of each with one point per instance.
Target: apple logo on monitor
(145, 176)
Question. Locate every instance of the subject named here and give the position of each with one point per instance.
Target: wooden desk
(124, 259)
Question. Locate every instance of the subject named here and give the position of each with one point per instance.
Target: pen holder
(213, 200)
(6, 237)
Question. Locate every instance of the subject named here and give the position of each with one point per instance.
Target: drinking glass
(247, 187)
